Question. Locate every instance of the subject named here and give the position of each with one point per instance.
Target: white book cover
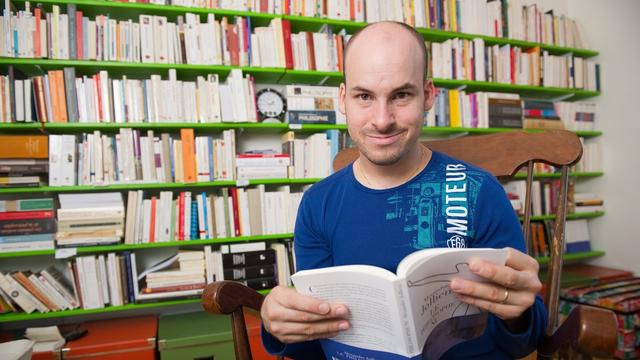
(55, 160)
(114, 280)
(16, 295)
(410, 304)
(164, 231)
(147, 50)
(101, 266)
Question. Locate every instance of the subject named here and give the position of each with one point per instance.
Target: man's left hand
(511, 289)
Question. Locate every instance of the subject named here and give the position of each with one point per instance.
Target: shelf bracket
(324, 80)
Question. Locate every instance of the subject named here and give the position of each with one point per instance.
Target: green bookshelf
(570, 216)
(151, 186)
(557, 175)
(14, 317)
(66, 128)
(588, 255)
(129, 247)
(178, 186)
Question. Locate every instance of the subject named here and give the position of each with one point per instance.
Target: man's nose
(383, 118)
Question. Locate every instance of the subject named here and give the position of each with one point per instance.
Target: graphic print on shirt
(437, 210)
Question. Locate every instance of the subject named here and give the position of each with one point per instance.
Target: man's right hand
(292, 317)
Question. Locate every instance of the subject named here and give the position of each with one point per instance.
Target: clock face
(270, 104)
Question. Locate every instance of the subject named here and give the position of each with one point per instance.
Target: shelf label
(64, 253)
(242, 183)
(295, 126)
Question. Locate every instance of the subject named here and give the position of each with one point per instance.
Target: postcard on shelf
(396, 316)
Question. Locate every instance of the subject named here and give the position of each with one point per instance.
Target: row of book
(60, 96)
(115, 279)
(544, 198)
(130, 157)
(154, 39)
(96, 158)
(509, 19)
(577, 237)
(224, 213)
(146, 217)
(464, 59)
(458, 108)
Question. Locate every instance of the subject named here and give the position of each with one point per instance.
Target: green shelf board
(539, 92)
(129, 247)
(12, 317)
(15, 317)
(82, 127)
(480, 131)
(128, 10)
(571, 216)
(20, 127)
(557, 175)
(149, 186)
(34, 67)
(544, 260)
(588, 133)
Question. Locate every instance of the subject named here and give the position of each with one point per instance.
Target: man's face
(385, 95)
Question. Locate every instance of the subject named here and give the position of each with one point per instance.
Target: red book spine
(79, 36)
(181, 216)
(37, 14)
(152, 222)
(311, 54)
(286, 37)
(236, 213)
(234, 44)
(352, 10)
(96, 83)
(513, 65)
(23, 215)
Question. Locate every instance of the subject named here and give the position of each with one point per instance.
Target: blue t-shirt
(448, 204)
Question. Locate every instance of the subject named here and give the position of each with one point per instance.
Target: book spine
(24, 215)
(27, 227)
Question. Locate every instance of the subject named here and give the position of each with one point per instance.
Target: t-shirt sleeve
(312, 250)
(499, 227)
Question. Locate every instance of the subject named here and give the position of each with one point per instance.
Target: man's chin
(382, 159)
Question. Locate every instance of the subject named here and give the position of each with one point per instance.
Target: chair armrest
(225, 297)
(229, 297)
(588, 330)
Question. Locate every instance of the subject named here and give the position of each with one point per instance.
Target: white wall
(613, 29)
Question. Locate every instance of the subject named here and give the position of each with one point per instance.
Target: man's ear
(429, 94)
(341, 97)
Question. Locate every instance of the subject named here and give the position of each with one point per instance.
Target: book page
(430, 298)
(368, 292)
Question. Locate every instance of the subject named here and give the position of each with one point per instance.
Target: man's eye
(364, 97)
(402, 95)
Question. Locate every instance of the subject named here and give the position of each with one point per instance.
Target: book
(395, 316)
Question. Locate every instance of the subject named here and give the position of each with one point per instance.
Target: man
(365, 213)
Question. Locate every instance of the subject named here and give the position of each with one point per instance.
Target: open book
(395, 316)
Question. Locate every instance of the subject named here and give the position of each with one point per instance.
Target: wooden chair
(587, 331)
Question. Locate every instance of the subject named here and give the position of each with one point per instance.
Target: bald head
(396, 39)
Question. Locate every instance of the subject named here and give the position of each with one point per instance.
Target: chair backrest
(501, 154)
